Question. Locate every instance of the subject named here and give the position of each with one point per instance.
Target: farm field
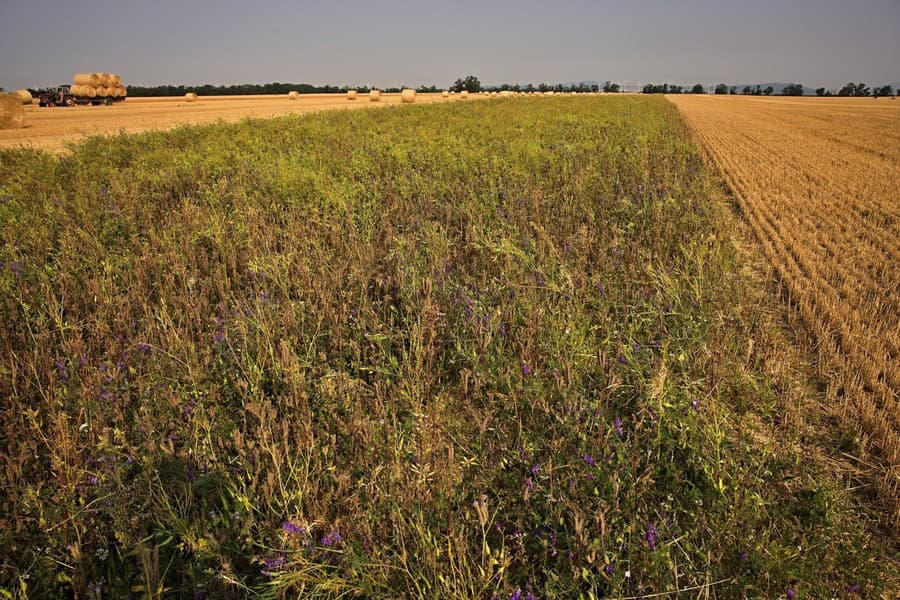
(819, 183)
(52, 128)
(463, 350)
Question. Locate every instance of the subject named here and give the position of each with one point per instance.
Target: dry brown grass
(52, 128)
(819, 183)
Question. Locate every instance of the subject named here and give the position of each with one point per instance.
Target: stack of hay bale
(98, 85)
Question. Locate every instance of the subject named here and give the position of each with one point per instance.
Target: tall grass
(456, 352)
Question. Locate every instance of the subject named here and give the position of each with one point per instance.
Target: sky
(422, 42)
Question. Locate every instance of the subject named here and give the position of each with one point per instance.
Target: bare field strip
(819, 183)
(51, 128)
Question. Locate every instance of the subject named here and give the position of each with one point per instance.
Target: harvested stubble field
(474, 350)
(818, 180)
(52, 129)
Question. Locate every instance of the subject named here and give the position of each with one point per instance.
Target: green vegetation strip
(467, 351)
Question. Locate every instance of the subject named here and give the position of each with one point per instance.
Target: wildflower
(791, 592)
(535, 469)
(529, 484)
(61, 370)
(652, 536)
(526, 370)
(695, 404)
(608, 569)
(144, 348)
(272, 565)
(291, 528)
(622, 359)
(15, 267)
(617, 425)
(516, 595)
(628, 574)
(589, 460)
(331, 539)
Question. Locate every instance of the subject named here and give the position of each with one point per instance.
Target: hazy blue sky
(389, 42)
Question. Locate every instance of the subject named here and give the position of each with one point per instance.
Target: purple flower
(695, 404)
(144, 348)
(589, 460)
(535, 469)
(651, 535)
(608, 569)
(529, 484)
(272, 564)
(331, 539)
(516, 595)
(622, 359)
(617, 425)
(291, 528)
(791, 592)
(526, 370)
(61, 370)
(93, 480)
(15, 267)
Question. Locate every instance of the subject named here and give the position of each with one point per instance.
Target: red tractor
(58, 96)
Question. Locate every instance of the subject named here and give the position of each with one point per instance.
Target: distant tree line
(857, 90)
(471, 83)
(238, 90)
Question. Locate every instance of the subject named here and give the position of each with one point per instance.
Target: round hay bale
(86, 79)
(105, 79)
(506, 93)
(408, 96)
(24, 95)
(351, 94)
(464, 94)
(375, 96)
(445, 94)
(83, 91)
(12, 113)
(122, 91)
(293, 95)
(116, 80)
(190, 97)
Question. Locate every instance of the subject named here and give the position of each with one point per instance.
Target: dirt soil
(53, 129)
